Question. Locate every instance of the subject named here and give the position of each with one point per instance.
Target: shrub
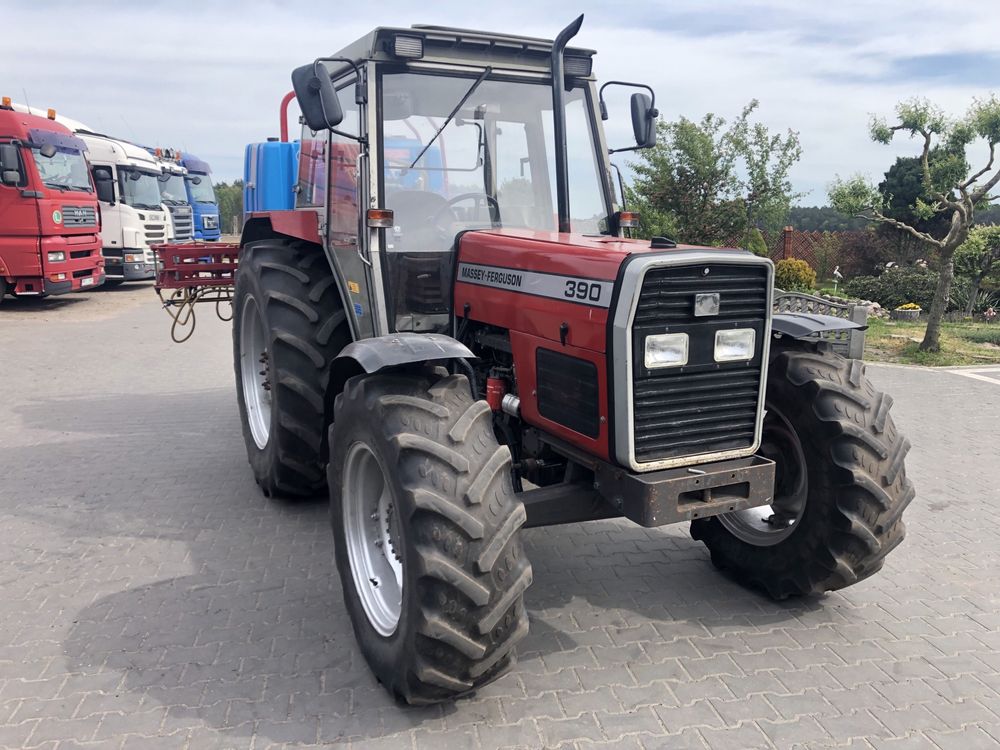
(895, 287)
(794, 275)
(961, 291)
(755, 243)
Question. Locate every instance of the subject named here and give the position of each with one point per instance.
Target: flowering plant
(910, 306)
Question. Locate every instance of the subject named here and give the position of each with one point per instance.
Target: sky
(208, 77)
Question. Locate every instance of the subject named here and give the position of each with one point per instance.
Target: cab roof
(454, 45)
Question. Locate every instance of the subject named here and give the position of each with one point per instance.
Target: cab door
(19, 223)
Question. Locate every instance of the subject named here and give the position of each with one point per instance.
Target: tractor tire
(288, 325)
(443, 619)
(847, 469)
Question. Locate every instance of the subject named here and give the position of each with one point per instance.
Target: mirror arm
(604, 107)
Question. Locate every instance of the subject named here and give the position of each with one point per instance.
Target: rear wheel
(288, 325)
(840, 486)
(425, 522)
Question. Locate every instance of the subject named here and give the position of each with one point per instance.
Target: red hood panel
(588, 256)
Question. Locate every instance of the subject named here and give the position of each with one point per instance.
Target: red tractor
(448, 327)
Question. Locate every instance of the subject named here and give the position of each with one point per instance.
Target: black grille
(703, 407)
(567, 391)
(79, 216)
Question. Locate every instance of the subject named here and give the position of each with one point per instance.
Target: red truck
(50, 234)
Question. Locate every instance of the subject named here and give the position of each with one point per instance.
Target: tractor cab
(412, 137)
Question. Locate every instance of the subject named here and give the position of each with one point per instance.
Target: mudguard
(382, 352)
(804, 325)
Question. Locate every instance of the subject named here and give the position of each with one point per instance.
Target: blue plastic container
(269, 173)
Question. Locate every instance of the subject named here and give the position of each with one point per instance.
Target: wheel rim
(770, 524)
(255, 372)
(371, 528)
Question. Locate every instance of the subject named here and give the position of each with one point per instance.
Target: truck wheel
(840, 485)
(288, 325)
(425, 522)
(3, 289)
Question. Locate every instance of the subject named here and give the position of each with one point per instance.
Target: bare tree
(950, 186)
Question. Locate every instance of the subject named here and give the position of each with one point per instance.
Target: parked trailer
(455, 362)
(49, 222)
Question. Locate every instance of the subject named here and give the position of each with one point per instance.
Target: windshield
(491, 166)
(65, 170)
(497, 153)
(172, 188)
(139, 189)
(201, 192)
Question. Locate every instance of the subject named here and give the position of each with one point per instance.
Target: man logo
(706, 304)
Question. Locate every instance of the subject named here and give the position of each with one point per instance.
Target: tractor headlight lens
(57, 256)
(666, 350)
(734, 345)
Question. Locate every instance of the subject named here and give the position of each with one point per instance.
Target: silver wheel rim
(770, 524)
(371, 528)
(255, 372)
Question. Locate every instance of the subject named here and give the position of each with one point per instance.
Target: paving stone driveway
(150, 597)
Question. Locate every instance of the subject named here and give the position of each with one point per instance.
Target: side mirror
(643, 120)
(105, 191)
(48, 151)
(10, 177)
(8, 157)
(317, 97)
(196, 180)
(165, 177)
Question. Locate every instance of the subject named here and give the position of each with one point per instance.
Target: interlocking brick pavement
(151, 597)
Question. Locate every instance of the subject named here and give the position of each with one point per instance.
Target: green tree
(230, 198)
(714, 183)
(975, 259)
(950, 188)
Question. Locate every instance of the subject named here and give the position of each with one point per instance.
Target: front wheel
(840, 485)
(425, 524)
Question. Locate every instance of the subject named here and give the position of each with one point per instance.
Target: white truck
(173, 194)
(133, 217)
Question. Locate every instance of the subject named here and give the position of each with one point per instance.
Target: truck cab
(127, 178)
(201, 196)
(173, 193)
(49, 222)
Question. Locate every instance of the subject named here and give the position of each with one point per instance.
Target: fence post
(786, 251)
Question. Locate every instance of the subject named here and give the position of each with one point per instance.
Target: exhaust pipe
(559, 120)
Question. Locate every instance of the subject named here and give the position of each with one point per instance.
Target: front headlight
(734, 345)
(57, 256)
(666, 350)
(133, 257)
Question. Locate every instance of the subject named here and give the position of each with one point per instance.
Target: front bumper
(117, 270)
(669, 496)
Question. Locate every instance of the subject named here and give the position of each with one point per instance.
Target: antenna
(26, 102)
(132, 132)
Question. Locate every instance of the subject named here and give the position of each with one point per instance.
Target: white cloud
(209, 77)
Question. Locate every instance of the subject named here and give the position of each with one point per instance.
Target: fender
(805, 325)
(384, 352)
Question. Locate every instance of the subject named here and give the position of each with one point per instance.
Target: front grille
(79, 216)
(155, 233)
(703, 407)
(83, 273)
(183, 221)
(80, 253)
(567, 391)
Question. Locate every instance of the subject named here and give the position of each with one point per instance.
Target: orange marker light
(51, 114)
(628, 219)
(380, 218)
(6, 102)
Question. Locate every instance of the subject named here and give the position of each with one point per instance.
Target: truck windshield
(172, 189)
(139, 189)
(64, 170)
(201, 192)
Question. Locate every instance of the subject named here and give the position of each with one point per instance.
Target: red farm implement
(192, 273)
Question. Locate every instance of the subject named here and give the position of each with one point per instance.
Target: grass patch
(961, 343)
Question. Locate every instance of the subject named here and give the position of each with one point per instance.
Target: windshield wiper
(454, 112)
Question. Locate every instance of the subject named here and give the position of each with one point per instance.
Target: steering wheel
(479, 198)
